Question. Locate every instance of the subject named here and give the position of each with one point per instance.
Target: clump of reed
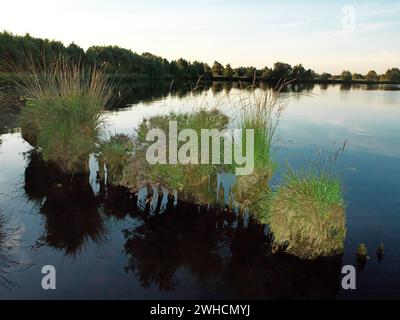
(201, 119)
(307, 214)
(173, 176)
(114, 155)
(260, 111)
(63, 112)
(3, 100)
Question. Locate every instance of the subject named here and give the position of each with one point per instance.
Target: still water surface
(106, 243)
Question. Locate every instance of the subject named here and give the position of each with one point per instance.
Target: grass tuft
(62, 116)
(188, 178)
(307, 214)
(260, 111)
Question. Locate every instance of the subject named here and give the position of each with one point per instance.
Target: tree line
(129, 64)
(392, 74)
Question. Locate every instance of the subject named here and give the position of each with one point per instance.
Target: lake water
(106, 243)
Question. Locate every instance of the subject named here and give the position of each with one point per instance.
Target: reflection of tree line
(216, 246)
(146, 91)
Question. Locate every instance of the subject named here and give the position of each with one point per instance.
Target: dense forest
(146, 66)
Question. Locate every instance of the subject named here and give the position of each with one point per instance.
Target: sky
(327, 36)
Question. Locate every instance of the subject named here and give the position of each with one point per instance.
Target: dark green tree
(281, 71)
(346, 76)
(266, 73)
(392, 74)
(357, 76)
(217, 69)
(372, 76)
(325, 76)
(239, 72)
(75, 52)
(228, 71)
(250, 72)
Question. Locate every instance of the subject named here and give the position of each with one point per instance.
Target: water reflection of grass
(215, 247)
(68, 205)
(167, 248)
(9, 241)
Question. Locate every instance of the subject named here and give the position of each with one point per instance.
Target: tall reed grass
(260, 110)
(63, 112)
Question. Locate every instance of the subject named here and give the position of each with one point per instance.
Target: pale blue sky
(323, 35)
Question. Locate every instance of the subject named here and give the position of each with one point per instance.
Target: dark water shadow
(173, 245)
(68, 206)
(226, 251)
(9, 263)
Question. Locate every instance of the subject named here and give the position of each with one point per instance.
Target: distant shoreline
(315, 81)
(127, 78)
(6, 77)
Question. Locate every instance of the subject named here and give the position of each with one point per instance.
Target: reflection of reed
(172, 240)
(168, 243)
(224, 250)
(68, 205)
(71, 221)
(9, 241)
